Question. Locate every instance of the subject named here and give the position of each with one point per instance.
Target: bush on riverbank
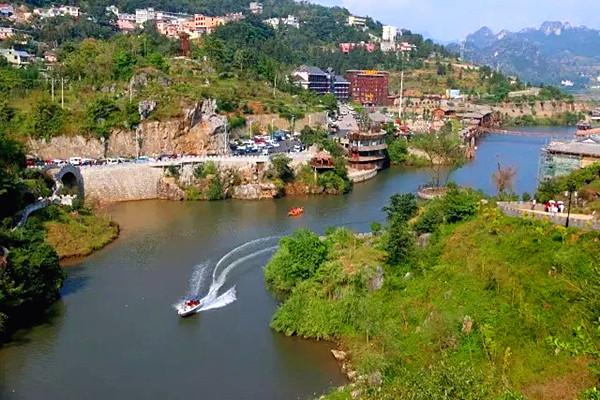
(78, 233)
(494, 307)
(566, 118)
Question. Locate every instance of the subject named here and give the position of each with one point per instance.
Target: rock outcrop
(200, 131)
(255, 191)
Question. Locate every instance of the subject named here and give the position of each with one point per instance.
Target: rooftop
(311, 70)
(584, 147)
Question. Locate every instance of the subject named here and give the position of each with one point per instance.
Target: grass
(78, 234)
(530, 289)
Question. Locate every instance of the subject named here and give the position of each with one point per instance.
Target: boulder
(169, 190)
(376, 282)
(339, 354)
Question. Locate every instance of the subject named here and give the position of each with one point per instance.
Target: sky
(448, 20)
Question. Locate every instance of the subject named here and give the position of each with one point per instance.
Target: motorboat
(188, 307)
(295, 211)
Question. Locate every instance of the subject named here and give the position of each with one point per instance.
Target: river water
(114, 334)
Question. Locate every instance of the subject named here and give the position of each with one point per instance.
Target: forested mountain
(552, 53)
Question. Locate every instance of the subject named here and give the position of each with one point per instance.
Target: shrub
(398, 151)
(429, 221)
(400, 241)
(280, 168)
(173, 171)
(204, 170)
(402, 206)
(332, 182)
(526, 196)
(215, 189)
(460, 204)
(192, 194)
(298, 258)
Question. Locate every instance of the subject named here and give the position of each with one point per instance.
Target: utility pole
(62, 92)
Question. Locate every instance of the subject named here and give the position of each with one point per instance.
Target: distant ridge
(553, 53)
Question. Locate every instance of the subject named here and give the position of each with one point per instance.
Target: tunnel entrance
(70, 184)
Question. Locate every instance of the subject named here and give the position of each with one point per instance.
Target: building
(6, 10)
(16, 57)
(388, 47)
(290, 20)
(312, 78)
(561, 158)
(370, 87)
(70, 11)
(358, 22)
(144, 15)
(522, 93)
(206, 24)
(256, 8)
(367, 150)
(453, 94)
(6, 33)
(348, 47)
(321, 82)
(389, 33)
(340, 87)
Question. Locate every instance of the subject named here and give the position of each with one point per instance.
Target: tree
(402, 207)
(400, 241)
(398, 151)
(101, 117)
(503, 178)
(310, 136)
(298, 258)
(281, 167)
(46, 119)
(443, 150)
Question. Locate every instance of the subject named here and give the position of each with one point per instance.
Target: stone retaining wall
(576, 221)
(121, 183)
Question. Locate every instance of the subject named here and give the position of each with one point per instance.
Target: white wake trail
(212, 300)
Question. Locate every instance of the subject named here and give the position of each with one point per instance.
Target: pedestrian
(533, 204)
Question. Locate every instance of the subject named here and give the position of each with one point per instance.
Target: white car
(58, 161)
(75, 160)
(112, 161)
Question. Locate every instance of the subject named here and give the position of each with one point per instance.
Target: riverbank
(79, 233)
(490, 307)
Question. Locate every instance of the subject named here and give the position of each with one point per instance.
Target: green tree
(443, 150)
(399, 242)
(401, 207)
(46, 119)
(101, 117)
(298, 258)
(281, 169)
(398, 151)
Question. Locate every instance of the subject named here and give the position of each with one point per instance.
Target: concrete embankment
(519, 209)
(121, 183)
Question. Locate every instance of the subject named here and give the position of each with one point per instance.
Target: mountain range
(553, 53)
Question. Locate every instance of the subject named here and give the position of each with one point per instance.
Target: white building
(389, 33)
(359, 22)
(256, 8)
(16, 57)
(290, 20)
(71, 11)
(144, 15)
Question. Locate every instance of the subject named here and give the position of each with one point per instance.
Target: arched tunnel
(68, 180)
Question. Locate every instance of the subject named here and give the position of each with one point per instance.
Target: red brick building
(369, 87)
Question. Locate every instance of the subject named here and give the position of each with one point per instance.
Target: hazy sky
(449, 20)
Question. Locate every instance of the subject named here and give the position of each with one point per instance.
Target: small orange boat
(296, 211)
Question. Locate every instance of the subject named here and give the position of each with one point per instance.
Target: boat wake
(230, 261)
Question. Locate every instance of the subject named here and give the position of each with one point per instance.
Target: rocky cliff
(199, 131)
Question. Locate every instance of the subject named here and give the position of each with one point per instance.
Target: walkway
(522, 209)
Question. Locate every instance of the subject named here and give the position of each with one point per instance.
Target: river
(114, 334)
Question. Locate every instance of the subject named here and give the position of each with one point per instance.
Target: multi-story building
(256, 8)
(6, 33)
(348, 47)
(206, 24)
(389, 33)
(16, 57)
(367, 150)
(6, 10)
(340, 87)
(369, 87)
(291, 20)
(312, 78)
(562, 158)
(358, 22)
(321, 82)
(144, 15)
(71, 11)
